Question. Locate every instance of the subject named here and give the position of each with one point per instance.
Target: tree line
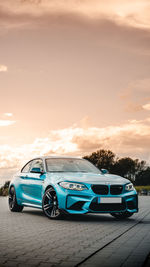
(133, 169)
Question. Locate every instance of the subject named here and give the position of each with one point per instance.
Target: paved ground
(31, 239)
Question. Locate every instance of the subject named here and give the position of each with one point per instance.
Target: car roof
(57, 157)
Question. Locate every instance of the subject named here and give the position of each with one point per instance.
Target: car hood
(89, 178)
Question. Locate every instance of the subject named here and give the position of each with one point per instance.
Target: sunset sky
(74, 78)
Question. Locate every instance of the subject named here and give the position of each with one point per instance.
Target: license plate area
(110, 200)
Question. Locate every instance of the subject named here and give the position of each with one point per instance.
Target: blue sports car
(69, 185)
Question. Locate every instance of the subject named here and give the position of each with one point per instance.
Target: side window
(26, 168)
(38, 163)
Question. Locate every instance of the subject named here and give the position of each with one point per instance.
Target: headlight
(73, 186)
(129, 187)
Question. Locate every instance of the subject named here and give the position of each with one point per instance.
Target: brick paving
(31, 239)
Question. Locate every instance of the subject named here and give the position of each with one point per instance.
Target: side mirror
(37, 170)
(104, 171)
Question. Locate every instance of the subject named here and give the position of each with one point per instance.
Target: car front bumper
(82, 202)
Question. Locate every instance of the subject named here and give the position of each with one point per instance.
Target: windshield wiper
(56, 171)
(63, 171)
(68, 171)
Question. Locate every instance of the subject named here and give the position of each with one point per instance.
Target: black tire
(122, 215)
(50, 205)
(12, 201)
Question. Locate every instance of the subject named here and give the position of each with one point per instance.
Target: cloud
(129, 139)
(124, 12)
(133, 107)
(3, 68)
(114, 137)
(146, 106)
(136, 94)
(97, 21)
(8, 114)
(6, 123)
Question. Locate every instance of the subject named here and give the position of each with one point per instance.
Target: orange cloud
(6, 123)
(136, 94)
(146, 106)
(130, 139)
(3, 68)
(135, 14)
(8, 114)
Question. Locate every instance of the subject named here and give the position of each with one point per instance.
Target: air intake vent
(107, 207)
(116, 189)
(100, 189)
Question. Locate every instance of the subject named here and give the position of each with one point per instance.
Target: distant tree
(143, 177)
(139, 166)
(103, 159)
(134, 170)
(4, 189)
(6, 185)
(125, 167)
(128, 167)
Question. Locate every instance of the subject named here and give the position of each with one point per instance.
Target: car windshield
(70, 165)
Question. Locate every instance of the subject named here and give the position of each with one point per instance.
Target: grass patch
(140, 187)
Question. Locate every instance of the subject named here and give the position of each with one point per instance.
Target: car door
(35, 180)
(31, 183)
(23, 192)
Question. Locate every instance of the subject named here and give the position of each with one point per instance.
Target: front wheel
(12, 201)
(122, 215)
(50, 204)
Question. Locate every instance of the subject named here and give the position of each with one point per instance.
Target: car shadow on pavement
(34, 212)
(78, 217)
(94, 218)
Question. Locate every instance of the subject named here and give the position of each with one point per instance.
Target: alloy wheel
(50, 204)
(12, 200)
